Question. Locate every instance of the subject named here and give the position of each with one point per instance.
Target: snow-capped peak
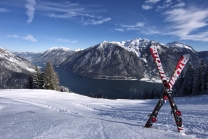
(78, 49)
(180, 45)
(56, 49)
(59, 48)
(135, 45)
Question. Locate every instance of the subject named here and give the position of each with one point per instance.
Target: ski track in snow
(51, 114)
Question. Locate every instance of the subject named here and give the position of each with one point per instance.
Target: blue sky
(37, 25)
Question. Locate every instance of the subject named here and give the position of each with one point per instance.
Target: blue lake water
(112, 89)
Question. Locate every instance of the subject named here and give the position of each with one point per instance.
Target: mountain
(127, 59)
(14, 70)
(105, 60)
(28, 55)
(136, 45)
(177, 46)
(55, 55)
(203, 55)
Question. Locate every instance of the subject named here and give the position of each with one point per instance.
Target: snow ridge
(136, 45)
(179, 45)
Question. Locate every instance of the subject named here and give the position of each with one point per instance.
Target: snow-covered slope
(55, 55)
(50, 114)
(11, 62)
(14, 70)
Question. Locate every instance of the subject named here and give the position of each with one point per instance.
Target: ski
(167, 89)
(174, 109)
(153, 116)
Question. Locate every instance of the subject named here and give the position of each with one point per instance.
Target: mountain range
(115, 60)
(128, 59)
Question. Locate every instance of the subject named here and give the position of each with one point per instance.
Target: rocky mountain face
(14, 70)
(55, 55)
(106, 60)
(127, 59)
(28, 55)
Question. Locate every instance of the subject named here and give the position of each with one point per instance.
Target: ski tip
(181, 130)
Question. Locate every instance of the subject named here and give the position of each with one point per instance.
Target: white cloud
(179, 5)
(149, 4)
(138, 24)
(12, 36)
(186, 23)
(119, 29)
(165, 5)
(146, 7)
(151, 31)
(29, 38)
(96, 22)
(3, 10)
(67, 40)
(66, 10)
(70, 10)
(152, 1)
(101, 21)
(30, 5)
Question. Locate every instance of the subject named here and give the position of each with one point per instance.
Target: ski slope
(37, 114)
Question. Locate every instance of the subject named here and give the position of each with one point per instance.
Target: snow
(135, 45)
(59, 48)
(78, 49)
(153, 80)
(13, 63)
(49, 114)
(179, 45)
(65, 49)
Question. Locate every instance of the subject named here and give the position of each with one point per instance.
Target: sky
(37, 25)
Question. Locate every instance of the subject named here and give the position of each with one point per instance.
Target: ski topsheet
(167, 89)
(179, 67)
(156, 58)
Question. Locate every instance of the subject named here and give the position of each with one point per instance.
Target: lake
(112, 89)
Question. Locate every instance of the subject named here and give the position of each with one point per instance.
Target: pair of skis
(167, 89)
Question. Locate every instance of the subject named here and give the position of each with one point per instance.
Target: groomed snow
(38, 114)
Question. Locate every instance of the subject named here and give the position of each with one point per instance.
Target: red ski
(167, 89)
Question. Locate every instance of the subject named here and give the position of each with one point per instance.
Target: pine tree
(197, 79)
(177, 86)
(51, 78)
(41, 81)
(204, 81)
(186, 88)
(36, 78)
(30, 82)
